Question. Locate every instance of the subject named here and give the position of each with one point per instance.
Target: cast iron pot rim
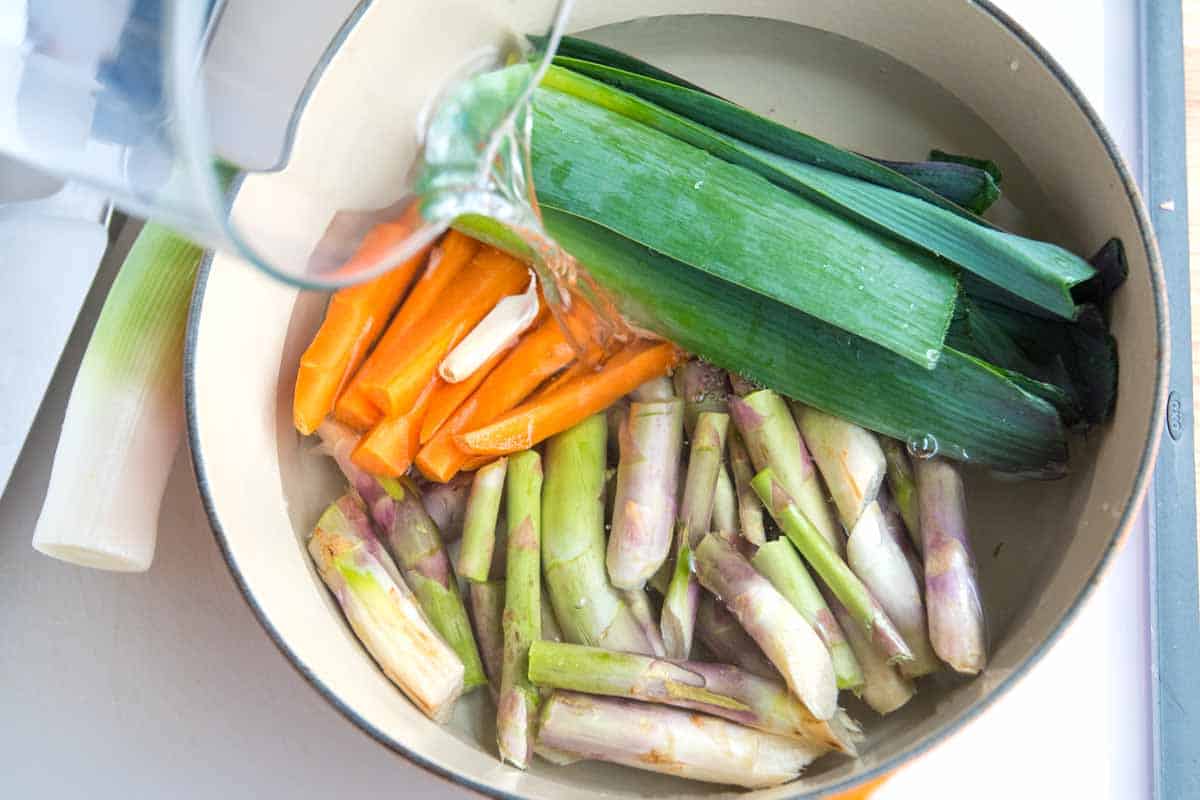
(1141, 483)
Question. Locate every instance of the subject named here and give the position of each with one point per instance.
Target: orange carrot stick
(490, 276)
(450, 257)
(356, 410)
(541, 418)
(353, 321)
(388, 449)
(540, 354)
(449, 396)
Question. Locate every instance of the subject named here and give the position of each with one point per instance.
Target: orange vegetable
(452, 255)
(546, 415)
(490, 276)
(449, 396)
(356, 410)
(388, 449)
(540, 354)
(353, 321)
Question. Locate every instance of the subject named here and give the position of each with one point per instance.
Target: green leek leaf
(972, 410)
(735, 225)
(1038, 272)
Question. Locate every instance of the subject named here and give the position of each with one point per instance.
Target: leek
(1039, 273)
(972, 183)
(124, 419)
(965, 408)
(967, 185)
(737, 226)
(733, 120)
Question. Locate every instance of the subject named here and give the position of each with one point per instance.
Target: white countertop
(164, 684)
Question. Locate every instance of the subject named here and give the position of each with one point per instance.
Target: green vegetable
(971, 410)
(479, 522)
(779, 563)
(1038, 272)
(746, 126)
(516, 708)
(382, 610)
(124, 420)
(588, 609)
(834, 571)
(966, 185)
(718, 689)
(972, 183)
(735, 225)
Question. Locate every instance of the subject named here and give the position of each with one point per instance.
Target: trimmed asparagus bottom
(718, 689)
(382, 611)
(671, 741)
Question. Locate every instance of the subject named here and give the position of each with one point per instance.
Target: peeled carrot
(490, 276)
(353, 321)
(450, 257)
(388, 449)
(356, 410)
(563, 378)
(541, 353)
(542, 417)
(450, 396)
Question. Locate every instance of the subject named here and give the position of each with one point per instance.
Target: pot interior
(1038, 544)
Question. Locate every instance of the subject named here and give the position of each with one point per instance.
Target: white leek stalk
(124, 419)
(497, 331)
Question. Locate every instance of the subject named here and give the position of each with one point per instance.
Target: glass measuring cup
(157, 103)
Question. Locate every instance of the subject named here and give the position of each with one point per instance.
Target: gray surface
(1175, 623)
(161, 684)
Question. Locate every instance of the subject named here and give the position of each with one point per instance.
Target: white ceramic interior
(867, 74)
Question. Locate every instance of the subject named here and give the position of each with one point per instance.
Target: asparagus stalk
(702, 387)
(726, 639)
(382, 611)
(787, 640)
(647, 477)
(779, 563)
(725, 510)
(671, 741)
(749, 507)
(718, 689)
(884, 689)
(415, 544)
(695, 516)
(773, 441)
(551, 632)
(903, 487)
(517, 706)
(588, 609)
(742, 386)
(899, 533)
(956, 624)
(479, 525)
(446, 504)
(654, 390)
(639, 606)
(830, 566)
(848, 457)
(487, 613)
(876, 559)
